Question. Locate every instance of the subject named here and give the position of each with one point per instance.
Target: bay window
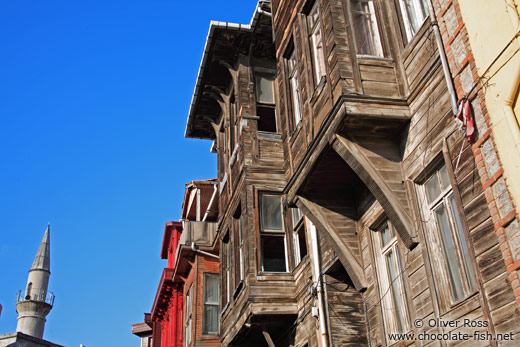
(316, 42)
(366, 30)
(414, 13)
(295, 98)
(265, 108)
(272, 236)
(299, 239)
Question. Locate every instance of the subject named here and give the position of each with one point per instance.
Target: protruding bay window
(273, 251)
(414, 13)
(299, 238)
(265, 107)
(366, 29)
(316, 42)
(295, 98)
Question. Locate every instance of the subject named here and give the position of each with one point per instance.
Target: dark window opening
(267, 121)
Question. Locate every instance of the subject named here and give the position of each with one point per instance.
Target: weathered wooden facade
(375, 160)
(265, 272)
(358, 133)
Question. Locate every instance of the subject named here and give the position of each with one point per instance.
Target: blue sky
(94, 97)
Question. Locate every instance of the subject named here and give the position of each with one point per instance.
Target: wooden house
(374, 158)
(265, 272)
(351, 208)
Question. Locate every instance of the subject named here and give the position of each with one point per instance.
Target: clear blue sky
(94, 97)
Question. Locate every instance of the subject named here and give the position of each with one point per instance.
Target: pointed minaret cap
(42, 261)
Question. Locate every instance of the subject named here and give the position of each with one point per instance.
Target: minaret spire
(42, 261)
(36, 303)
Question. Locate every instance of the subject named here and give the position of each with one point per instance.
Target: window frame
(213, 304)
(298, 226)
(226, 262)
(392, 291)
(189, 317)
(233, 120)
(238, 227)
(314, 30)
(420, 9)
(294, 97)
(377, 49)
(459, 236)
(264, 106)
(265, 232)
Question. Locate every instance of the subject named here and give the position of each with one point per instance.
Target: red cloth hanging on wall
(465, 118)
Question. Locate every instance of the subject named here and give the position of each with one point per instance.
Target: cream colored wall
(491, 25)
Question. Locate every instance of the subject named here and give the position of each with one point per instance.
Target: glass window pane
(271, 212)
(296, 99)
(470, 275)
(211, 289)
(273, 253)
(301, 242)
(386, 236)
(394, 288)
(365, 27)
(433, 189)
(296, 215)
(414, 14)
(449, 252)
(445, 179)
(241, 228)
(313, 16)
(210, 319)
(264, 89)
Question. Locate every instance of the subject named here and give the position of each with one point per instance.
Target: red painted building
(185, 310)
(166, 314)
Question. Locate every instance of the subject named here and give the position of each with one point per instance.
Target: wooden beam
(268, 338)
(350, 262)
(367, 172)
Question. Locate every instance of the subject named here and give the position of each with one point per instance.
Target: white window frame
(451, 251)
(189, 316)
(241, 245)
(298, 226)
(294, 87)
(264, 232)
(392, 289)
(375, 47)
(414, 12)
(316, 42)
(229, 261)
(206, 303)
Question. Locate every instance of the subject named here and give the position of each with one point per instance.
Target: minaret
(36, 304)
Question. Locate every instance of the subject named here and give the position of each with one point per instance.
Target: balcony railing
(40, 296)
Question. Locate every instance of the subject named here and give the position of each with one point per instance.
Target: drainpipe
(268, 14)
(509, 112)
(444, 61)
(203, 252)
(317, 279)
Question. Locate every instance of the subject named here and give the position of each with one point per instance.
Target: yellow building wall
(493, 27)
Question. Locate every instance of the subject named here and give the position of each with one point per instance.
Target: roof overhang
(164, 292)
(197, 125)
(168, 229)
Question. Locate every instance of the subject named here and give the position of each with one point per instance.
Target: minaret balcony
(46, 297)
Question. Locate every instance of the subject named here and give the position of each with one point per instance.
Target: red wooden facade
(183, 313)
(167, 307)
